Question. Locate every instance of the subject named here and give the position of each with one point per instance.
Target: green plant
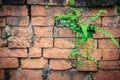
(84, 31)
(118, 10)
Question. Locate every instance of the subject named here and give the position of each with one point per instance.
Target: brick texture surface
(60, 65)
(44, 42)
(43, 31)
(110, 54)
(32, 47)
(25, 74)
(38, 11)
(35, 52)
(18, 21)
(15, 10)
(110, 65)
(64, 42)
(13, 63)
(107, 75)
(56, 53)
(34, 63)
(5, 52)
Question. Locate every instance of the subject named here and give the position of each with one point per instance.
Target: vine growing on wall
(84, 31)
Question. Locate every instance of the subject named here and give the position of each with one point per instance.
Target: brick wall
(32, 48)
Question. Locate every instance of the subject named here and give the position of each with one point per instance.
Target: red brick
(15, 10)
(2, 74)
(57, 11)
(63, 32)
(18, 21)
(37, 63)
(98, 35)
(39, 21)
(64, 42)
(110, 54)
(5, 52)
(111, 11)
(110, 65)
(8, 62)
(41, 2)
(19, 42)
(59, 76)
(106, 44)
(35, 52)
(107, 75)
(38, 11)
(60, 64)
(56, 53)
(50, 21)
(87, 66)
(2, 22)
(44, 42)
(92, 43)
(97, 54)
(25, 74)
(20, 31)
(112, 30)
(112, 21)
(43, 31)
(57, 2)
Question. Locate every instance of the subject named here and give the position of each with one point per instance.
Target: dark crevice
(46, 71)
(6, 74)
(19, 62)
(29, 12)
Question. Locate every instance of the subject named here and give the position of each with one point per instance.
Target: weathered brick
(8, 62)
(37, 63)
(43, 31)
(56, 53)
(107, 75)
(25, 74)
(3, 43)
(44, 42)
(18, 21)
(110, 65)
(38, 11)
(112, 21)
(15, 10)
(98, 35)
(64, 42)
(5, 52)
(111, 11)
(106, 44)
(41, 2)
(87, 66)
(39, 21)
(2, 74)
(66, 75)
(50, 21)
(59, 76)
(60, 64)
(110, 54)
(114, 31)
(59, 11)
(2, 22)
(57, 2)
(13, 1)
(20, 31)
(19, 42)
(35, 52)
(63, 32)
